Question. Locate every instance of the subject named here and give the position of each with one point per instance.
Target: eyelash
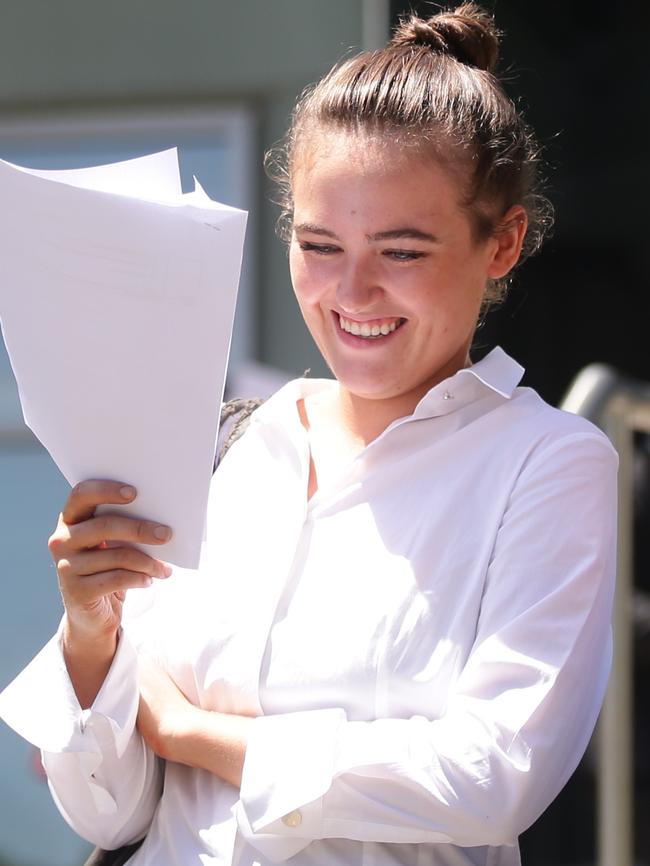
(320, 249)
(404, 255)
(329, 249)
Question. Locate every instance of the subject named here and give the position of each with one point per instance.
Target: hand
(96, 564)
(178, 731)
(94, 572)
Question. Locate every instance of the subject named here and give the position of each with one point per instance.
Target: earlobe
(509, 234)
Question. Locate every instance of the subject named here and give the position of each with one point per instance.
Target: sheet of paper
(117, 314)
(155, 177)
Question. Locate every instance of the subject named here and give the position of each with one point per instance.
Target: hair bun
(466, 33)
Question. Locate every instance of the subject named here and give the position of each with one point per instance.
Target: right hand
(95, 561)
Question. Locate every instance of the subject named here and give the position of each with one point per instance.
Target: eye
(404, 255)
(320, 249)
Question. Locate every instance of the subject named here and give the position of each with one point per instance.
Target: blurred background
(83, 83)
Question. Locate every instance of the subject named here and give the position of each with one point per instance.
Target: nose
(358, 286)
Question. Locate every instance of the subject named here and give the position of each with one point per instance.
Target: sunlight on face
(384, 264)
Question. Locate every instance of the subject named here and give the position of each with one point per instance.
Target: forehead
(365, 172)
(360, 152)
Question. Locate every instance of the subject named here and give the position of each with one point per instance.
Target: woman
(398, 642)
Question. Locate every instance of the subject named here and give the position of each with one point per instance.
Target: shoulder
(546, 427)
(552, 443)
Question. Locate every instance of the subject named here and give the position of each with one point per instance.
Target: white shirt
(426, 642)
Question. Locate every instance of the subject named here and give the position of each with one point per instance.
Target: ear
(509, 235)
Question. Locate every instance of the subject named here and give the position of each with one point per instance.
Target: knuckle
(54, 542)
(64, 567)
(77, 493)
(57, 539)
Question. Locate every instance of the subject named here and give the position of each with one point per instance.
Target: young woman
(398, 642)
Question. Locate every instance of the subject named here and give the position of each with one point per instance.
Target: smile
(373, 330)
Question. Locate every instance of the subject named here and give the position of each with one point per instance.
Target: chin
(365, 390)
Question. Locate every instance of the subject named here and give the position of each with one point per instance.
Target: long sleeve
(519, 716)
(105, 781)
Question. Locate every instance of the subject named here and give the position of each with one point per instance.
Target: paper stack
(117, 297)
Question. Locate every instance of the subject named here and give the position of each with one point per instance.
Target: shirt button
(293, 819)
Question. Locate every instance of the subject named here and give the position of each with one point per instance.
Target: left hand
(180, 732)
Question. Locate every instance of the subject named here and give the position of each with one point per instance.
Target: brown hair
(433, 88)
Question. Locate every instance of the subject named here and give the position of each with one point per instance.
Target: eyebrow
(406, 232)
(390, 235)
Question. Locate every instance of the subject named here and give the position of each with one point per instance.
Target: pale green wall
(86, 54)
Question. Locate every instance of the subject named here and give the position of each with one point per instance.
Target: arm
(77, 700)
(178, 731)
(104, 780)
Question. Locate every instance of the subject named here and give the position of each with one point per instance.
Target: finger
(88, 590)
(113, 527)
(87, 495)
(109, 559)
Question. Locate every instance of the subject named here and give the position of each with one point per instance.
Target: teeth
(366, 330)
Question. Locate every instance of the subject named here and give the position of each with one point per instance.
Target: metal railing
(621, 407)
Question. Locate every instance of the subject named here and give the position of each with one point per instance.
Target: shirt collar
(496, 372)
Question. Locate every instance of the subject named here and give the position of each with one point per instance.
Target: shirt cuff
(42, 707)
(289, 767)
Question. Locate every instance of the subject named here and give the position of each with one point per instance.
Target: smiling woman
(381, 240)
(397, 644)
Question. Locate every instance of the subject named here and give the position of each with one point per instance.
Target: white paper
(117, 314)
(155, 177)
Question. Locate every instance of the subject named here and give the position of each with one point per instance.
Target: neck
(365, 419)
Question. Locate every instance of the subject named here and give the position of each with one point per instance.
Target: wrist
(94, 643)
(87, 661)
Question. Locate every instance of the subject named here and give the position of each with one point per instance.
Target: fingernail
(167, 570)
(127, 492)
(162, 532)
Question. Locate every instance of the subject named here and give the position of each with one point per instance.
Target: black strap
(99, 857)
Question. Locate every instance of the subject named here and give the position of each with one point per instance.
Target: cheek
(308, 280)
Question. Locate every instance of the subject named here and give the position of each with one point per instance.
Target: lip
(364, 343)
(364, 320)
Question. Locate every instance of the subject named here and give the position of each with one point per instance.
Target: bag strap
(235, 418)
(118, 857)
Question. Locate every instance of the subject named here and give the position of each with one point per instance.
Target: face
(387, 273)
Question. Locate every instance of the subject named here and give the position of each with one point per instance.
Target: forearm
(210, 741)
(88, 660)
(104, 779)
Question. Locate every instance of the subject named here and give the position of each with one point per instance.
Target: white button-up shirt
(426, 644)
